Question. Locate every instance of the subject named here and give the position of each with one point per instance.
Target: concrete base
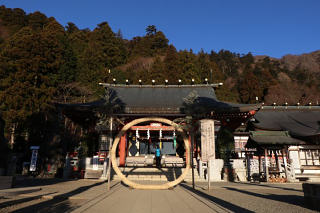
(2, 171)
(93, 174)
(215, 169)
(240, 169)
(6, 182)
(312, 195)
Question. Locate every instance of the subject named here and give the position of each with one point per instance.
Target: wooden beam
(120, 121)
(153, 128)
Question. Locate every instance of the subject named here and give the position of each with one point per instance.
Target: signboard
(155, 124)
(33, 163)
(104, 142)
(34, 147)
(207, 139)
(95, 162)
(102, 156)
(240, 142)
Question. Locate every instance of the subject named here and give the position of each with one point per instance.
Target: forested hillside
(42, 62)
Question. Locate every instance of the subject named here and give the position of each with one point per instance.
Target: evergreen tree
(151, 30)
(170, 63)
(71, 28)
(29, 68)
(187, 67)
(157, 72)
(37, 20)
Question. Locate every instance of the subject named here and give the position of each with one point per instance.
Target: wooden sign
(207, 139)
(33, 163)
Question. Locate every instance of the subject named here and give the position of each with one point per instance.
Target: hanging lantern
(137, 133)
(148, 134)
(160, 133)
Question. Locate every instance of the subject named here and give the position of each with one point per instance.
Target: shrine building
(177, 103)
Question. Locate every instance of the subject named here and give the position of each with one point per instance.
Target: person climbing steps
(158, 157)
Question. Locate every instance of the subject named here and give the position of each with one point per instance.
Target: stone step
(92, 174)
(155, 174)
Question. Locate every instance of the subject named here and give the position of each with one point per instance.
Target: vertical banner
(207, 139)
(104, 141)
(95, 162)
(34, 157)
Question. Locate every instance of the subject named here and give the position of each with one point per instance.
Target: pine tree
(151, 30)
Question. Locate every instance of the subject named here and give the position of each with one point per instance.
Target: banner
(207, 139)
(33, 163)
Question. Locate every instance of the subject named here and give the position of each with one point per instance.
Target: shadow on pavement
(290, 199)
(55, 205)
(270, 186)
(214, 200)
(22, 200)
(59, 203)
(28, 182)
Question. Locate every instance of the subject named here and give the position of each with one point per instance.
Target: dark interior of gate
(137, 147)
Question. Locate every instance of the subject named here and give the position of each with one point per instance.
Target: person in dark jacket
(158, 157)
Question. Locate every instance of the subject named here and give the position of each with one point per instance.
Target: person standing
(158, 157)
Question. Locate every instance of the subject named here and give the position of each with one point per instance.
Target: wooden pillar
(191, 139)
(122, 150)
(277, 159)
(109, 154)
(259, 165)
(266, 163)
(284, 162)
(248, 165)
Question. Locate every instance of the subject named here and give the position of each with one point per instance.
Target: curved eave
(300, 123)
(237, 108)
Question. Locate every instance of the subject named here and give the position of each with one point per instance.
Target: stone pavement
(92, 196)
(223, 197)
(55, 195)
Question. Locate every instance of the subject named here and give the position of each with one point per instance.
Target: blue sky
(263, 27)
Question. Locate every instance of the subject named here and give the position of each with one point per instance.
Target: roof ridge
(160, 86)
(269, 133)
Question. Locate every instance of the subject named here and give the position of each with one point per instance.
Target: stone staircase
(155, 174)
